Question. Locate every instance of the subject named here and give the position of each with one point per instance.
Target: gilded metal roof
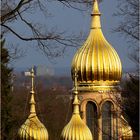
(126, 130)
(32, 129)
(76, 129)
(97, 62)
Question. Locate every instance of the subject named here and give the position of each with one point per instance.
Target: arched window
(107, 121)
(92, 120)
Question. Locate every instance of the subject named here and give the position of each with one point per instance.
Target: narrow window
(107, 121)
(92, 119)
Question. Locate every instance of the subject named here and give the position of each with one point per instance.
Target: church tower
(76, 129)
(99, 73)
(32, 129)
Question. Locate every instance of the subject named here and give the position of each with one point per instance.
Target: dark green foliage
(130, 98)
(6, 118)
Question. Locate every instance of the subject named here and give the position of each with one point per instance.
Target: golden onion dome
(97, 62)
(76, 129)
(126, 130)
(32, 129)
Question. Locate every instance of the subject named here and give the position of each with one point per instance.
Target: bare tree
(128, 11)
(50, 40)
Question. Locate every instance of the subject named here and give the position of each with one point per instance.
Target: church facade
(99, 73)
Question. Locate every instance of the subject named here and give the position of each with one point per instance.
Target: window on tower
(92, 119)
(107, 121)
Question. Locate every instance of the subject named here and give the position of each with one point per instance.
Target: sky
(72, 21)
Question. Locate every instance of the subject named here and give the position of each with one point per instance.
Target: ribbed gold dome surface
(32, 129)
(76, 129)
(126, 130)
(97, 61)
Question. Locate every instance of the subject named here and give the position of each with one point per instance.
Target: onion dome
(97, 62)
(126, 130)
(32, 129)
(76, 129)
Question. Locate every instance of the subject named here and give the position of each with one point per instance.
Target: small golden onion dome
(126, 130)
(32, 129)
(97, 62)
(76, 129)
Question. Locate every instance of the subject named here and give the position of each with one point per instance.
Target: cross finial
(75, 78)
(75, 101)
(32, 79)
(32, 100)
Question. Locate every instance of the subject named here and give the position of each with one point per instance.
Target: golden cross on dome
(75, 78)
(76, 100)
(32, 100)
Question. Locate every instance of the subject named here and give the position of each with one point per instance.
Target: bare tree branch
(128, 10)
(47, 41)
(13, 11)
(30, 38)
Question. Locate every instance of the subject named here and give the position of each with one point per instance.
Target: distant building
(42, 70)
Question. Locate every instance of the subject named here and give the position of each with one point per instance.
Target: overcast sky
(73, 21)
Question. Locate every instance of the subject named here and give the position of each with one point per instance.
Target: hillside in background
(59, 71)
